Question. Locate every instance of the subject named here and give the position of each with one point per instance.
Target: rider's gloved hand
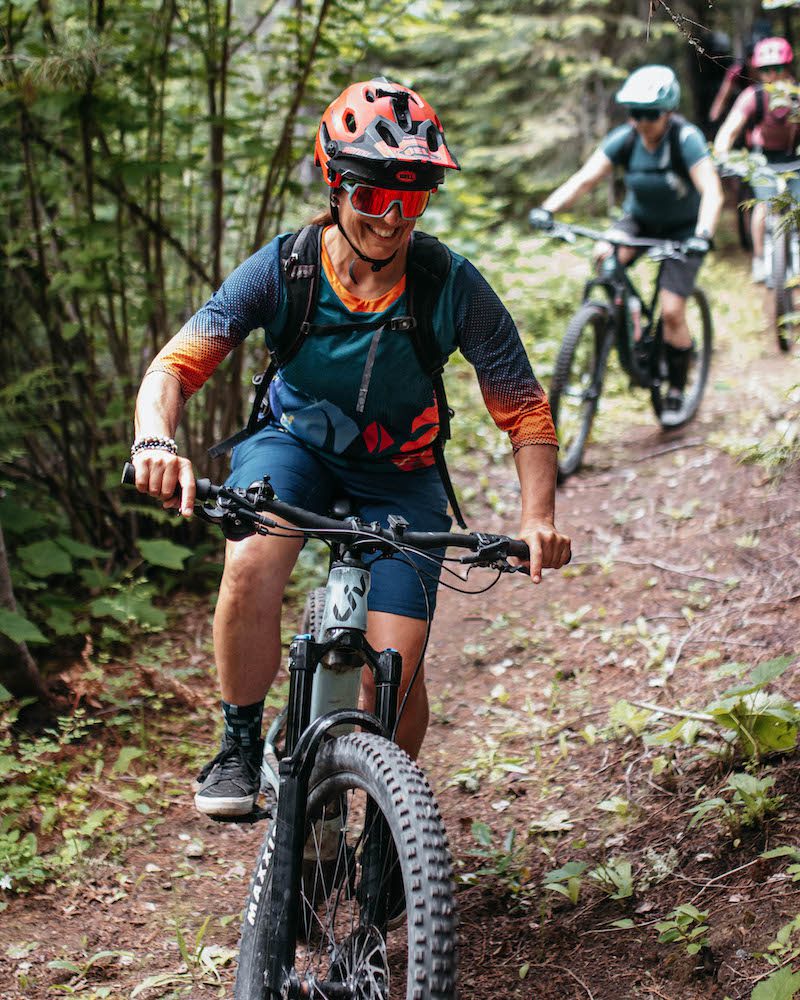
(696, 246)
(541, 218)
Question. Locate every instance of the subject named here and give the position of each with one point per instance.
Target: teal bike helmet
(652, 88)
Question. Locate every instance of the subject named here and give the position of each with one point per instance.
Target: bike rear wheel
(782, 272)
(578, 381)
(698, 319)
(375, 845)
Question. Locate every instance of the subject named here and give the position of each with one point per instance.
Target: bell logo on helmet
(407, 176)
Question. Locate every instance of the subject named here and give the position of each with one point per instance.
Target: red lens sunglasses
(375, 202)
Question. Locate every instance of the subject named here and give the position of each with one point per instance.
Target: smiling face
(378, 238)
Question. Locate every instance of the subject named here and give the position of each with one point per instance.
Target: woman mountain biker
(352, 412)
(767, 117)
(673, 192)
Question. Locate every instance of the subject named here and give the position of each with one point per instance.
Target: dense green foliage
(152, 145)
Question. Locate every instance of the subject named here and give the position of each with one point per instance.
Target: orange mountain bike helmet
(384, 134)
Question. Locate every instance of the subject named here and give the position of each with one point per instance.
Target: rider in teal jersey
(672, 192)
(352, 412)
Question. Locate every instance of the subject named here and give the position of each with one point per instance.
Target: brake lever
(562, 232)
(236, 513)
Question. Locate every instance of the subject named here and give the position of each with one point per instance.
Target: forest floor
(686, 560)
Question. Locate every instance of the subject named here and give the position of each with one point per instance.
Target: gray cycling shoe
(229, 784)
(672, 413)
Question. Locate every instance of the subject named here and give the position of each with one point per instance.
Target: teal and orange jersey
(357, 391)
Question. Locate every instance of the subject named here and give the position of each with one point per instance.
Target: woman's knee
(673, 310)
(255, 570)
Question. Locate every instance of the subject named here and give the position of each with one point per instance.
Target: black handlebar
(251, 502)
(563, 230)
(206, 490)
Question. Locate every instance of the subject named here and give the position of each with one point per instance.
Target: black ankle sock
(243, 722)
(678, 361)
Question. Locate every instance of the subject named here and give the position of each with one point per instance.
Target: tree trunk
(18, 670)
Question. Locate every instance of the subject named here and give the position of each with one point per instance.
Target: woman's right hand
(159, 472)
(601, 251)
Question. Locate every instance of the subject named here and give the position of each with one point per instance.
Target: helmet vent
(433, 138)
(350, 121)
(385, 133)
(370, 96)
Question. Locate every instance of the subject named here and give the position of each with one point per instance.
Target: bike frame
(619, 288)
(319, 676)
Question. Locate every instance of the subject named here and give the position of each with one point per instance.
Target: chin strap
(375, 263)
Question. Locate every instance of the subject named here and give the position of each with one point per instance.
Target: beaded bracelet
(156, 442)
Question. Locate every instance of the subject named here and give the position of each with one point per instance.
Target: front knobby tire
(578, 381)
(782, 289)
(343, 938)
(698, 319)
(313, 614)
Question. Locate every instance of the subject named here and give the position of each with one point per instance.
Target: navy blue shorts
(304, 478)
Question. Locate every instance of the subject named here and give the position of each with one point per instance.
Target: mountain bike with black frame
(606, 320)
(352, 895)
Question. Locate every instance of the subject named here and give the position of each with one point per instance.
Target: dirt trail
(684, 559)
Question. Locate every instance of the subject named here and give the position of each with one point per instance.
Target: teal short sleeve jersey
(355, 391)
(658, 194)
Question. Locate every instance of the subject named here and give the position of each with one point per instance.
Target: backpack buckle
(403, 323)
(289, 265)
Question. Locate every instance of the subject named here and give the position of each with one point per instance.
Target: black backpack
(676, 160)
(761, 108)
(426, 273)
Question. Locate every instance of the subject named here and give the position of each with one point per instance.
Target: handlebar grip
(519, 549)
(204, 487)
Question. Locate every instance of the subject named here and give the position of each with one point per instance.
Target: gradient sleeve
(490, 342)
(248, 299)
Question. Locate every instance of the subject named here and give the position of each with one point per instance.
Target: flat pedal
(248, 818)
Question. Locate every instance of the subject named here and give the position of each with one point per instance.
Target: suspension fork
(303, 741)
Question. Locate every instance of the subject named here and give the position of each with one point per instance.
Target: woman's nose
(394, 216)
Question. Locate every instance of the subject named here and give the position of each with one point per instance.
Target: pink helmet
(772, 52)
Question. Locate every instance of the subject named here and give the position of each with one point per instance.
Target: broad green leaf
(126, 757)
(571, 869)
(163, 552)
(782, 852)
(61, 621)
(482, 833)
(129, 606)
(770, 670)
(44, 558)
(79, 550)
(781, 985)
(18, 628)
(17, 519)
